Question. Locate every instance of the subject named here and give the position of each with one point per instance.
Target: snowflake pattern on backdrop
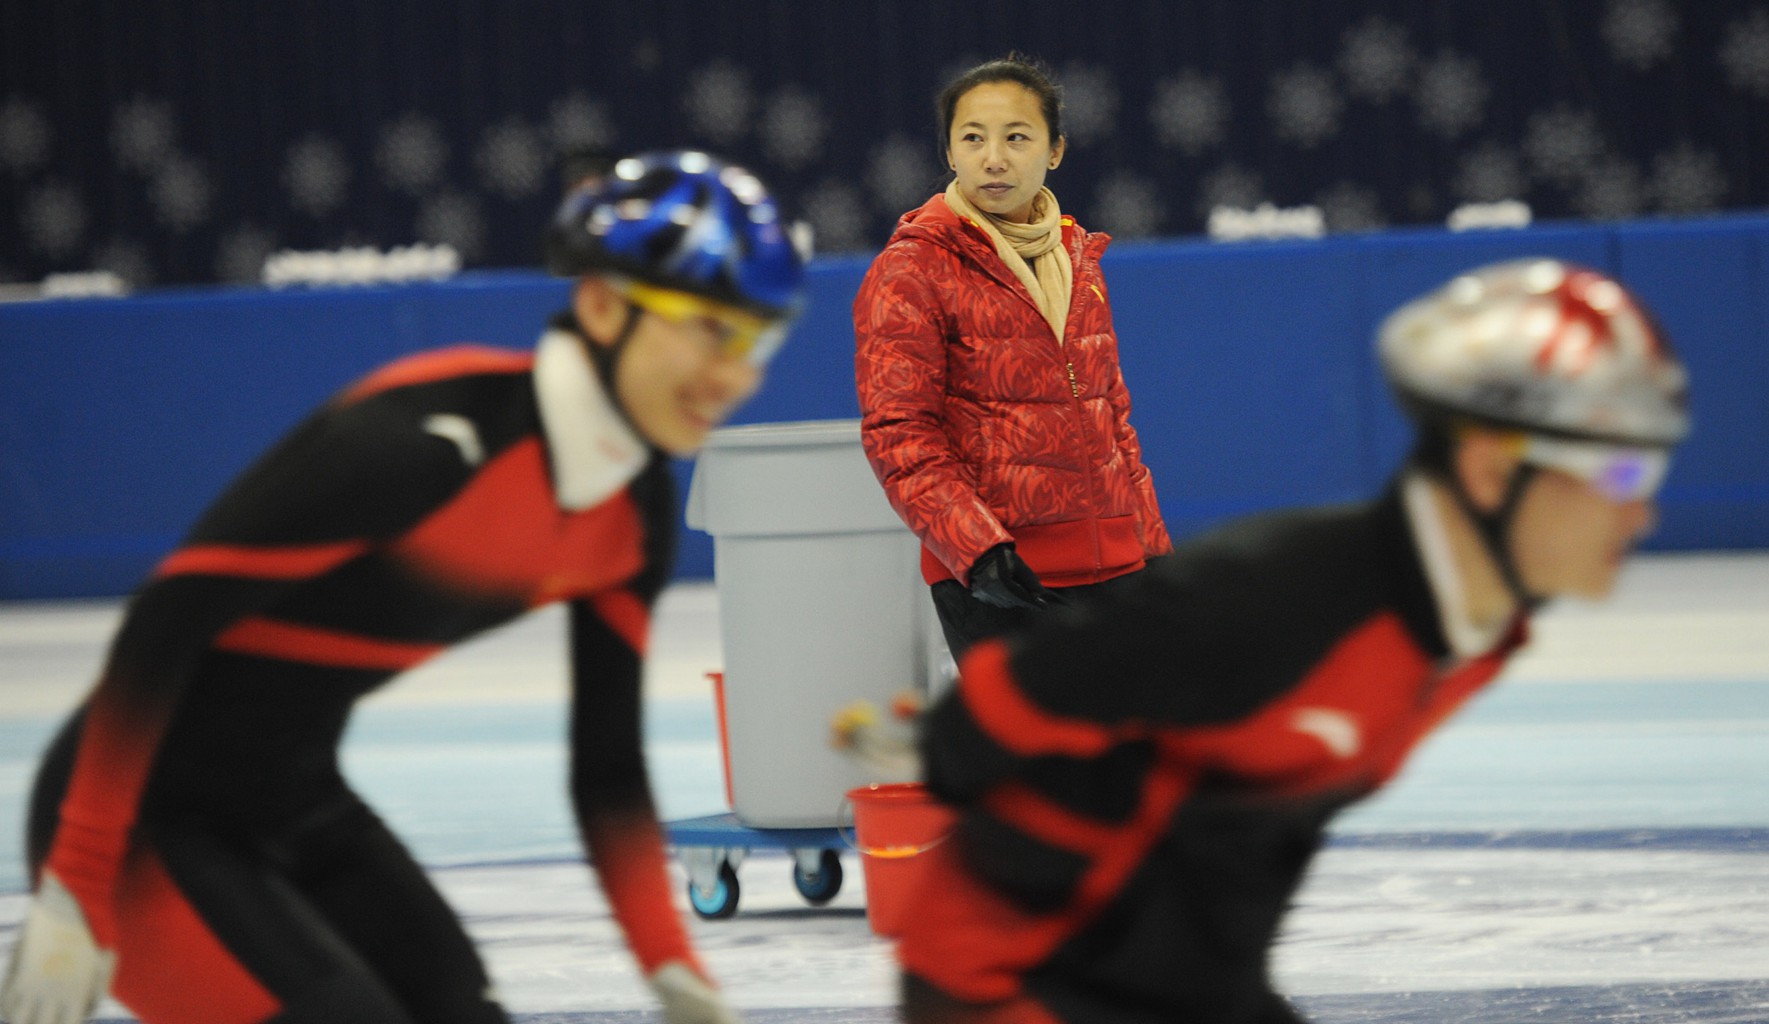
(1127, 205)
(1611, 188)
(54, 218)
(1451, 94)
(126, 258)
(1348, 206)
(240, 256)
(411, 153)
(317, 175)
(181, 192)
(836, 213)
(1489, 173)
(1562, 143)
(579, 121)
(1231, 185)
(143, 131)
(1305, 106)
(512, 160)
(900, 174)
(1688, 180)
(1190, 112)
(719, 102)
(1542, 115)
(793, 127)
(24, 136)
(1640, 33)
(1090, 103)
(453, 218)
(1745, 53)
(1376, 60)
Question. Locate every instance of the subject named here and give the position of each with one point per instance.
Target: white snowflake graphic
(451, 218)
(1451, 94)
(54, 219)
(1129, 205)
(127, 259)
(316, 175)
(181, 193)
(512, 160)
(1376, 60)
(1348, 206)
(1189, 113)
(1688, 180)
(1090, 103)
(240, 255)
(1563, 143)
(1305, 105)
(647, 55)
(411, 153)
(1640, 33)
(1230, 185)
(900, 174)
(794, 127)
(719, 102)
(958, 66)
(578, 121)
(1489, 173)
(1612, 189)
(143, 133)
(837, 214)
(1744, 53)
(24, 136)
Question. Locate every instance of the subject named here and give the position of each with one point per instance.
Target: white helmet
(1540, 346)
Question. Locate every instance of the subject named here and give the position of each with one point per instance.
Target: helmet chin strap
(1494, 530)
(606, 358)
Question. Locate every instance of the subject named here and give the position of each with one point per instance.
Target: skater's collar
(592, 450)
(1466, 637)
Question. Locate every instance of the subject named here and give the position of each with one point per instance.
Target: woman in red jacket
(993, 408)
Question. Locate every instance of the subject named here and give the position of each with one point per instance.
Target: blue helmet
(686, 221)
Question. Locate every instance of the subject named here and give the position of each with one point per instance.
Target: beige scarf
(1020, 245)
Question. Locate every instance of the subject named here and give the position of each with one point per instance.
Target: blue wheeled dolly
(712, 847)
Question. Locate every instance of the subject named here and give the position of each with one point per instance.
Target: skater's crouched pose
(196, 850)
(1143, 779)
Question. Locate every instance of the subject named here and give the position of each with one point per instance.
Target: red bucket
(893, 825)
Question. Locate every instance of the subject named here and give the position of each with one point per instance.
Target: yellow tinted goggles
(738, 334)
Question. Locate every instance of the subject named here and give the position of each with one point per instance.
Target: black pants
(965, 620)
(325, 919)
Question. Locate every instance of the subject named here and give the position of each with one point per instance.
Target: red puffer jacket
(981, 426)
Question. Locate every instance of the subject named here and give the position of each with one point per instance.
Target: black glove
(1001, 579)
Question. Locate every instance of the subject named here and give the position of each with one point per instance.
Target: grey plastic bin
(821, 603)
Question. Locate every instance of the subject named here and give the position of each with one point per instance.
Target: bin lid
(787, 479)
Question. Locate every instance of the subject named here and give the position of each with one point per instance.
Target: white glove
(687, 998)
(58, 973)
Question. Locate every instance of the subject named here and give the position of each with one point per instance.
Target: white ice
(1641, 717)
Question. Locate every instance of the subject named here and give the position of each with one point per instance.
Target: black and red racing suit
(195, 806)
(1142, 781)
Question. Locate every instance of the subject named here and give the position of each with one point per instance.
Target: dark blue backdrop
(1250, 366)
(182, 140)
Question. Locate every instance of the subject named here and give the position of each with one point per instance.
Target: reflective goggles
(738, 334)
(1618, 472)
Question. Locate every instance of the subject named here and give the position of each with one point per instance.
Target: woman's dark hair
(1018, 68)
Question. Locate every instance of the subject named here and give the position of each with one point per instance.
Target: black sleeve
(608, 765)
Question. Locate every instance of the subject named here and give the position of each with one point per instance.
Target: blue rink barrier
(1250, 365)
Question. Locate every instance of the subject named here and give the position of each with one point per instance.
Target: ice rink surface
(1588, 842)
